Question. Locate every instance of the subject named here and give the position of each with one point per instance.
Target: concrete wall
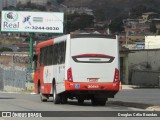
(139, 59)
(145, 78)
(145, 63)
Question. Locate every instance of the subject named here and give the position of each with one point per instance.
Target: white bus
(77, 66)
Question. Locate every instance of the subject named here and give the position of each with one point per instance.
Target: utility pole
(126, 39)
(31, 50)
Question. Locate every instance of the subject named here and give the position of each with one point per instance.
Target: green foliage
(2, 49)
(100, 14)
(9, 8)
(76, 21)
(153, 28)
(116, 26)
(30, 6)
(49, 3)
(137, 11)
(60, 1)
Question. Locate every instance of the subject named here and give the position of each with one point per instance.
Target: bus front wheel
(43, 98)
(56, 97)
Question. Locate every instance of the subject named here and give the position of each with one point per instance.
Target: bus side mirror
(35, 57)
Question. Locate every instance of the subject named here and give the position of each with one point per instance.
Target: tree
(9, 8)
(100, 14)
(5, 49)
(116, 26)
(60, 1)
(49, 3)
(153, 28)
(137, 11)
(77, 21)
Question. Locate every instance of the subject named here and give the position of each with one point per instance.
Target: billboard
(21, 21)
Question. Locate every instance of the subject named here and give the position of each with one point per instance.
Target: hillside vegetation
(114, 8)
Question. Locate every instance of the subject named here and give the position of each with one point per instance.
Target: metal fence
(1, 79)
(14, 78)
(14, 72)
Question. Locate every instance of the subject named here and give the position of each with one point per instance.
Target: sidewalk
(134, 96)
(124, 87)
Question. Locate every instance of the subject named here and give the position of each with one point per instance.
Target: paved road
(27, 102)
(146, 96)
(148, 99)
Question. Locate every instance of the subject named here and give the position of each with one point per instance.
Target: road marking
(2, 119)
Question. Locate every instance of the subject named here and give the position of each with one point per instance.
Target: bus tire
(56, 97)
(101, 102)
(39, 87)
(94, 102)
(80, 101)
(64, 100)
(43, 98)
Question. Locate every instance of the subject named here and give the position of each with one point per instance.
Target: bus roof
(92, 35)
(45, 43)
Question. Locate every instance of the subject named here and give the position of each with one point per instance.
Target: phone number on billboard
(42, 28)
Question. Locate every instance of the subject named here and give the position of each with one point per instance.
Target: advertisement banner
(21, 21)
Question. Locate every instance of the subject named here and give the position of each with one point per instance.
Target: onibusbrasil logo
(11, 16)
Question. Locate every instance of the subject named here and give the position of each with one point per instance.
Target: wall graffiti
(21, 59)
(14, 70)
(16, 57)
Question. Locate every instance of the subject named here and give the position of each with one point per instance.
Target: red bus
(78, 66)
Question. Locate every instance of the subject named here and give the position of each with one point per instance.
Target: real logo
(11, 16)
(11, 21)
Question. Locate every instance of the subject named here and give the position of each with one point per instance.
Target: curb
(148, 107)
(127, 87)
(153, 108)
(137, 87)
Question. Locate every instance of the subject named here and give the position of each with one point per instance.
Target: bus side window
(55, 54)
(41, 56)
(45, 56)
(53, 59)
(59, 53)
(64, 52)
(50, 53)
(61, 50)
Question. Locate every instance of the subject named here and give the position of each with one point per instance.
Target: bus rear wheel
(64, 99)
(80, 101)
(56, 97)
(101, 102)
